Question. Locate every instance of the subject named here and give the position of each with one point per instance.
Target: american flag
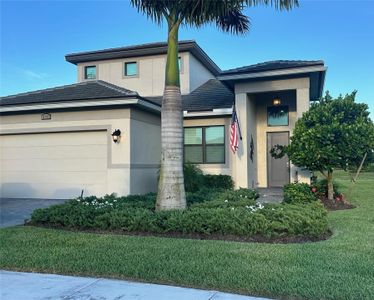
(234, 137)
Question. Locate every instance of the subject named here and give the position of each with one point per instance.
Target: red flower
(314, 189)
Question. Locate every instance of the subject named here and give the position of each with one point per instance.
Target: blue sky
(35, 36)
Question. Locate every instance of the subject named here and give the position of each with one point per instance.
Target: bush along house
(102, 134)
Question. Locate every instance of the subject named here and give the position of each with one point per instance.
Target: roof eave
(272, 73)
(188, 46)
(125, 101)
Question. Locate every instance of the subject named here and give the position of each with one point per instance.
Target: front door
(278, 169)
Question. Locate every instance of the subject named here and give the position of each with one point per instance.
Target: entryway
(278, 170)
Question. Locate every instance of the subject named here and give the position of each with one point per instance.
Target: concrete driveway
(15, 211)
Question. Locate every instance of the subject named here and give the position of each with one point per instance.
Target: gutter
(211, 113)
(79, 104)
(283, 72)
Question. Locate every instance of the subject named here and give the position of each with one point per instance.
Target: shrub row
(298, 193)
(236, 216)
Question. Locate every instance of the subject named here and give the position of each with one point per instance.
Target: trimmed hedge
(227, 213)
(195, 179)
(298, 193)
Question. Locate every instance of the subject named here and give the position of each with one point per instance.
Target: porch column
(302, 105)
(302, 101)
(241, 157)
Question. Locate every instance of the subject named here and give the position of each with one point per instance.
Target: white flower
(232, 208)
(226, 200)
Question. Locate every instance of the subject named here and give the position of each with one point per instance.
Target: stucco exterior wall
(151, 73)
(252, 99)
(225, 168)
(81, 124)
(198, 73)
(145, 151)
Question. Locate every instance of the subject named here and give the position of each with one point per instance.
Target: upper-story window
(131, 68)
(204, 145)
(278, 116)
(90, 72)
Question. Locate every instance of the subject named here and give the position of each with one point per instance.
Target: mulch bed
(336, 204)
(197, 236)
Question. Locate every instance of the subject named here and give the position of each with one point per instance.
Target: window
(131, 69)
(204, 145)
(90, 72)
(278, 116)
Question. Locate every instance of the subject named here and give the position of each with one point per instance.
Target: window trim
(124, 69)
(85, 74)
(288, 116)
(204, 144)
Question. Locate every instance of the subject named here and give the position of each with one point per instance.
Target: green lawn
(339, 268)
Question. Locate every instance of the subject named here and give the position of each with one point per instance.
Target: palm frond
(226, 14)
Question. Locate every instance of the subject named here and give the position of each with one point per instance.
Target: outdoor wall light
(116, 135)
(277, 101)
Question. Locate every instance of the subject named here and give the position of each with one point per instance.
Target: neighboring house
(57, 142)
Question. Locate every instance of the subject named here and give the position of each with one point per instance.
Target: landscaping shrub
(241, 197)
(228, 212)
(321, 186)
(195, 180)
(203, 194)
(193, 177)
(298, 193)
(218, 181)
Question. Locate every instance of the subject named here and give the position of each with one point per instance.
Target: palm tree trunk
(171, 193)
(330, 186)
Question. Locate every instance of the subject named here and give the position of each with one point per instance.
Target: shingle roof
(273, 65)
(211, 95)
(144, 50)
(96, 89)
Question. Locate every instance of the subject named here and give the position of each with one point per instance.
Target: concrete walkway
(19, 286)
(270, 195)
(14, 211)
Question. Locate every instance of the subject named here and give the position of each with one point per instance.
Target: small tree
(334, 133)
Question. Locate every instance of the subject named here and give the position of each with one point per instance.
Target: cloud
(34, 75)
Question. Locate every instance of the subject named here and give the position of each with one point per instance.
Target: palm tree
(228, 16)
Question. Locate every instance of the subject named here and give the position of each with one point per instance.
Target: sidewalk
(19, 285)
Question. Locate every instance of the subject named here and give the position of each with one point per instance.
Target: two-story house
(102, 134)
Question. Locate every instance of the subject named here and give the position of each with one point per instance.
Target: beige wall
(198, 74)
(88, 129)
(151, 73)
(225, 168)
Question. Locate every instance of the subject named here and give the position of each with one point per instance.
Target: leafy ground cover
(222, 214)
(338, 268)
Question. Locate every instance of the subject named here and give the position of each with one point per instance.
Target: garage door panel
(54, 177)
(54, 152)
(54, 165)
(55, 139)
(72, 164)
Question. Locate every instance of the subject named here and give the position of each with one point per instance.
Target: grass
(339, 268)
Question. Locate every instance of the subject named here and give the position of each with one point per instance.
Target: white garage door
(53, 165)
